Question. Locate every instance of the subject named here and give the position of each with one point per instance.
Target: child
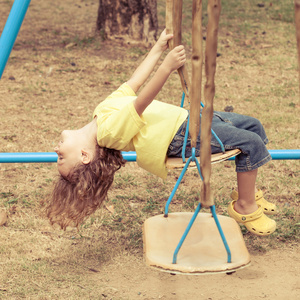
(89, 157)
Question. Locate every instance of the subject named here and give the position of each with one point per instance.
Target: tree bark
(132, 21)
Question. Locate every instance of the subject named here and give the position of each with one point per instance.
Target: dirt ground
(274, 275)
(52, 82)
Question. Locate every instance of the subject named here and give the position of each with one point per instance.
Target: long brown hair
(78, 196)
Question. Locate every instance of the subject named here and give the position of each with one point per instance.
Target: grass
(257, 74)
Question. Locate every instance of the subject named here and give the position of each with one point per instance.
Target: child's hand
(175, 59)
(162, 42)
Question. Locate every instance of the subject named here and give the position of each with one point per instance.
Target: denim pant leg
(241, 132)
(236, 132)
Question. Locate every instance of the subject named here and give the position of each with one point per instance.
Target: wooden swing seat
(202, 252)
(177, 163)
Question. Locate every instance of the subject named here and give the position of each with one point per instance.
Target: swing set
(208, 243)
(198, 236)
(181, 242)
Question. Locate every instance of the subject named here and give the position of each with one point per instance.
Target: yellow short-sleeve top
(121, 128)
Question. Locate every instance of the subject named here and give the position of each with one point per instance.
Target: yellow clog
(256, 222)
(268, 207)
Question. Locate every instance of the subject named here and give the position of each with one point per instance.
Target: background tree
(130, 21)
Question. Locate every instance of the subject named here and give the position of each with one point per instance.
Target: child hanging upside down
(89, 157)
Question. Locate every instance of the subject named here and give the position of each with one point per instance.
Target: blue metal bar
(28, 157)
(187, 230)
(176, 186)
(189, 226)
(198, 167)
(187, 130)
(192, 158)
(215, 135)
(282, 154)
(11, 30)
(218, 140)
(45, 157)
(51, 157)
(213, 211)
(285, 154)
(182, 99)
(185, 139)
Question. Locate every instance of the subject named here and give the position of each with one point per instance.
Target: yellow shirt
(121, 128)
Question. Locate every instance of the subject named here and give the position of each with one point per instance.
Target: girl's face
(69, 151)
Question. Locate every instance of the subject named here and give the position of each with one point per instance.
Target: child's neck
(90, 130)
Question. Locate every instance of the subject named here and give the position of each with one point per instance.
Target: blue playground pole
(282, 154)
(11, 30)
(51, 157)
(44, 157)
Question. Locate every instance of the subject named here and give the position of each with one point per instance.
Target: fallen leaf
(3, 217)
(110, 208)
(263, 46)
(248, 42)
(70, 45)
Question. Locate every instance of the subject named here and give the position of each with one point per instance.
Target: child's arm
(144, 70)
(174, 60)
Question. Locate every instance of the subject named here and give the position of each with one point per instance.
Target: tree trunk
(132, 21)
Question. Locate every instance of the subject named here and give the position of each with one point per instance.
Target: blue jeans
(236, 132)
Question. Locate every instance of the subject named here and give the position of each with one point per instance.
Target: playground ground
(57, 73)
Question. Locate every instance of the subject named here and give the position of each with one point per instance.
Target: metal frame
(11, 30)
(51, 157)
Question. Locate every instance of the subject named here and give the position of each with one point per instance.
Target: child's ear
(85, 157)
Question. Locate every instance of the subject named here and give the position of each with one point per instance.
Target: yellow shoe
(257, 222)
(267, 207)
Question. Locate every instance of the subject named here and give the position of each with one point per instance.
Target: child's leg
(244, 195)
(245, 209)
(246, 203)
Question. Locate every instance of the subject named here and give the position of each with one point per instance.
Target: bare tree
(131, 21)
